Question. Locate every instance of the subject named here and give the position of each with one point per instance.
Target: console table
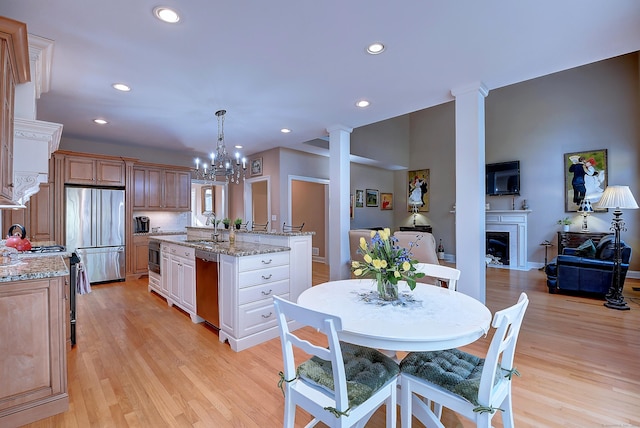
(417, 228)
(574, 239)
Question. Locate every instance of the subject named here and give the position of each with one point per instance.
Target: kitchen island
(33, 366)
(249, 272)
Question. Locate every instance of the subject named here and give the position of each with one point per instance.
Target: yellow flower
(355, 264)
(383, 264)
(367, 258)
(377, 263)
(373, 233)
(363, 243)
(396, 274)
(406, 266)
(386, 233)
(357, 272)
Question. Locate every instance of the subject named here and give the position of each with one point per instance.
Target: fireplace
(497, 245)
(513, 225)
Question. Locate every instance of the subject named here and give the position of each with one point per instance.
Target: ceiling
(298, 64)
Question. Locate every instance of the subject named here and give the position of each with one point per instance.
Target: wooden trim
(15, 33)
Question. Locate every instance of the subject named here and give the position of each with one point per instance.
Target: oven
(154, 256)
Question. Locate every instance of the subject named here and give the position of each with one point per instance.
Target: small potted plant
(565, 222)
(238, 222)
(226, 221)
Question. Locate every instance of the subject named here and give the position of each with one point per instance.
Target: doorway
(309, 204)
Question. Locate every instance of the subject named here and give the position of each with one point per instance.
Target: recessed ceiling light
(238, 146)
(285, 130)
(121, 87)
(363, 103)
(167, 15)
(100, 121)
(375, 48)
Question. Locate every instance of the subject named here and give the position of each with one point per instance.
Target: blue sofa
(583, 270)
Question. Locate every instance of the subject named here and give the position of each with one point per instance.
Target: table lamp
(585, 208)
(617, 197)
(414, 209)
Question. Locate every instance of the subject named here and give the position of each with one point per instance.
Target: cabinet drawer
(180, 251)
(264, 291)
(256, 317)
(262, 261)
(263, 276)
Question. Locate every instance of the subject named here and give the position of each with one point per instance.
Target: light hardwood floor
(139, 363)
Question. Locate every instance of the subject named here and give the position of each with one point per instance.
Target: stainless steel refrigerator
(95, 231)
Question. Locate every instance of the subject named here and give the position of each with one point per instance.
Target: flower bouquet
(386, 263)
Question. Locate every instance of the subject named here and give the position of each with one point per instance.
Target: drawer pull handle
(266, 262)
(266, 293)
(267, 277)
(267, 316)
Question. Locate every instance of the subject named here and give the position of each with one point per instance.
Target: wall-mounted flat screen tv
(503, 178)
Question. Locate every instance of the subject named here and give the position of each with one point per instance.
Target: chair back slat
(259, 227)
(507, 323)
(290, 228)
(444, 273)
(326, 324)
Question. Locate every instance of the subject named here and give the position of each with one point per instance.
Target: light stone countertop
(32, 266)
(237, 249)
(222, 229)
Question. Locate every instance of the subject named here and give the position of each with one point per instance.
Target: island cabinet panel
(247, 286)
(32, 345)
(178, 267)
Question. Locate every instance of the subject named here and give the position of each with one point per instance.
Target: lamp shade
(585, 206)
(617, 197)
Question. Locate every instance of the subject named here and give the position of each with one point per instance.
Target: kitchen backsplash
(166, 221)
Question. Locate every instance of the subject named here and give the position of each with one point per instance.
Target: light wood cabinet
(161, 189)
(177, 190)
(179, 278)
(32, 345)
(14, 69)
(37, 217)
(93, 171)
(140, 254)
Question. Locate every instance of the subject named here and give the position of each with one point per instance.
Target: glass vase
(387, 290)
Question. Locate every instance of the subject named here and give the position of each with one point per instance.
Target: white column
(339, 185)
(470, 189)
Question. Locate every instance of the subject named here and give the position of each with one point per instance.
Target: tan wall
(309, 207)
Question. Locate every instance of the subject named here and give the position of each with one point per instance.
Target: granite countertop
(237, 249)
(27, 266)
(161, 233)
(254, 232)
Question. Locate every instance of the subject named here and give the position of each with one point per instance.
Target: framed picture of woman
(585, 178)
(418, 190)
(386, 201)
(359, 198)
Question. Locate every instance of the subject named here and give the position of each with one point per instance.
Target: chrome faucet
(214, 236)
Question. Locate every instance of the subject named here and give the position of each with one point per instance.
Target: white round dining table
(437, 319)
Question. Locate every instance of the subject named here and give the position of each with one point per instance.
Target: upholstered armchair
(423, 249)
(588, 268)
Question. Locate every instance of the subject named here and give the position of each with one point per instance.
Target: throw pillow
(586, 249)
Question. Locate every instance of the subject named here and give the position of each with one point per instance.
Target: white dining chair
(474, 387)
(442, 273)
(342, 385)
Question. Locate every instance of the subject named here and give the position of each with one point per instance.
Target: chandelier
(222, 163)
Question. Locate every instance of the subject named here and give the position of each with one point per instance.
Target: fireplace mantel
(514, 222)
